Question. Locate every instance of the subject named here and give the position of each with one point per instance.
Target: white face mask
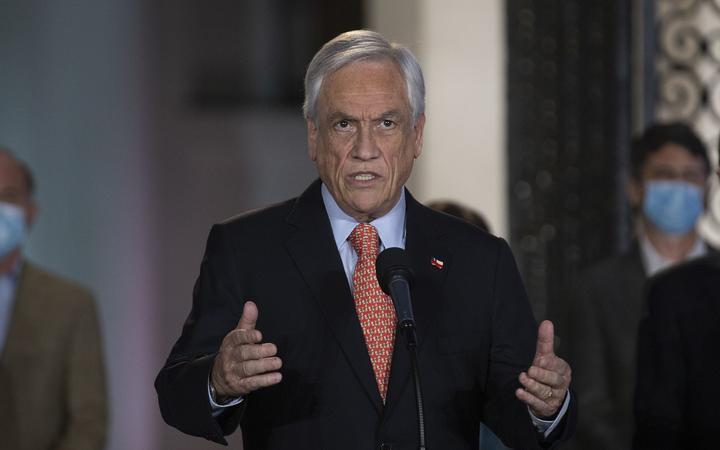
(12, 227)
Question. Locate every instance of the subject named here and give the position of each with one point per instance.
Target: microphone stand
(408, 329)
(394, 276)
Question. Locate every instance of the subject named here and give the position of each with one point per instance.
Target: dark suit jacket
(604, 316)
(53, 366)
(678, 392)
(474, 322)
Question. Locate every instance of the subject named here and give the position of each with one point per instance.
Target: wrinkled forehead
(380, 81)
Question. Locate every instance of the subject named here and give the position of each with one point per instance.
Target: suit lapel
(423, 243)
(313, 249)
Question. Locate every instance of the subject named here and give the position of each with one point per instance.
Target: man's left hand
(546, 383)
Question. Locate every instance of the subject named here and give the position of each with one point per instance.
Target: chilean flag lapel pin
(436, 263)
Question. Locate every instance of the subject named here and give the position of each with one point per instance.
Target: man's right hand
(243, 364)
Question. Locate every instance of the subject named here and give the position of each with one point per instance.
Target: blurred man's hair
(24, 169)
(462, 212)
(658, 135)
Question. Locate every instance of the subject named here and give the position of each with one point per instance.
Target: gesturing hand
(243, 364)
(547, 381)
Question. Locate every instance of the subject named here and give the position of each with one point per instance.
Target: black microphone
(395, 278)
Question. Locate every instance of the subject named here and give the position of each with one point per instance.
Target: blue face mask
(673, 206)
(12, 227)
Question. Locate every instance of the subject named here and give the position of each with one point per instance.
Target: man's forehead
(10, 172)
(378, 83)
(672, 153)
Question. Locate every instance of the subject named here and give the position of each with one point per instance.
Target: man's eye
(387, 123)
(342, 124)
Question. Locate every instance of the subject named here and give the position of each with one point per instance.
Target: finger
(546, 336)
(553, 363)
(539, 407)
(254, 352)
(249, 316)
(247, 385)
(540, 390)
(258, 367)
(546, 377)
(238, 337)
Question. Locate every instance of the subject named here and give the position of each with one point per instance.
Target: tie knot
(364, 239)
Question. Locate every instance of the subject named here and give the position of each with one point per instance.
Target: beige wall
(460, 46)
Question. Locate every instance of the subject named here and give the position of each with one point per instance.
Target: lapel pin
(437, 263)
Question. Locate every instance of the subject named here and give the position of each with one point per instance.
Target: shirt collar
(391, 226)
(655, 262)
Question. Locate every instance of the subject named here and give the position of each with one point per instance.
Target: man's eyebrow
(337, 115)
(391, 113)
(334, 116)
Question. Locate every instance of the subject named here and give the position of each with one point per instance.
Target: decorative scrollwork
(680, 40)
(681, 6)
(712, 44)
(713, 89)
(681, 93)
(715, 4)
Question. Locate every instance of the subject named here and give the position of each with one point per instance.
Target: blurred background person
(666, 189)
(462, 212)
(51, 359)
(677, 392)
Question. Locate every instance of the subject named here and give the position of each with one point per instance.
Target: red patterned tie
(374, 309)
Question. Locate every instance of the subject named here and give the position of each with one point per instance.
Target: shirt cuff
(547, 426)
(217, 408)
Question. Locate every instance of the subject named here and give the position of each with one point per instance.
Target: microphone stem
(411, 337)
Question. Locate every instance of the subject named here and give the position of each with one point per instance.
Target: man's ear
(31, 210)
(419, 127)
(312, 135)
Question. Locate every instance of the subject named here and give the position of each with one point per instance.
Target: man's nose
(366, 147)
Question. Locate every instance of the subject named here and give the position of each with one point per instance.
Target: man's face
(671, 163)
(365, 141)
(14, 189)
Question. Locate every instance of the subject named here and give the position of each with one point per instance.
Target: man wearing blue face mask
(52, 384)
(666, 189)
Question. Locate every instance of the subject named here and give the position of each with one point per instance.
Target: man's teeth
(364, 177)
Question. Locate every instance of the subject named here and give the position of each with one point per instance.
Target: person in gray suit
(667, 187)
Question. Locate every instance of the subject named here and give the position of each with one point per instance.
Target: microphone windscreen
(391, 262)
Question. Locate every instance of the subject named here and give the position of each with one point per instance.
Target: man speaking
(290, 335)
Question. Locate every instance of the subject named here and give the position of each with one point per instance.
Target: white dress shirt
(654, 262)
(8, 282)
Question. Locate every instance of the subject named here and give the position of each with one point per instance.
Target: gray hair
(362, 45)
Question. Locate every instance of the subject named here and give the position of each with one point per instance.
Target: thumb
(546, 336)
(249, 316)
